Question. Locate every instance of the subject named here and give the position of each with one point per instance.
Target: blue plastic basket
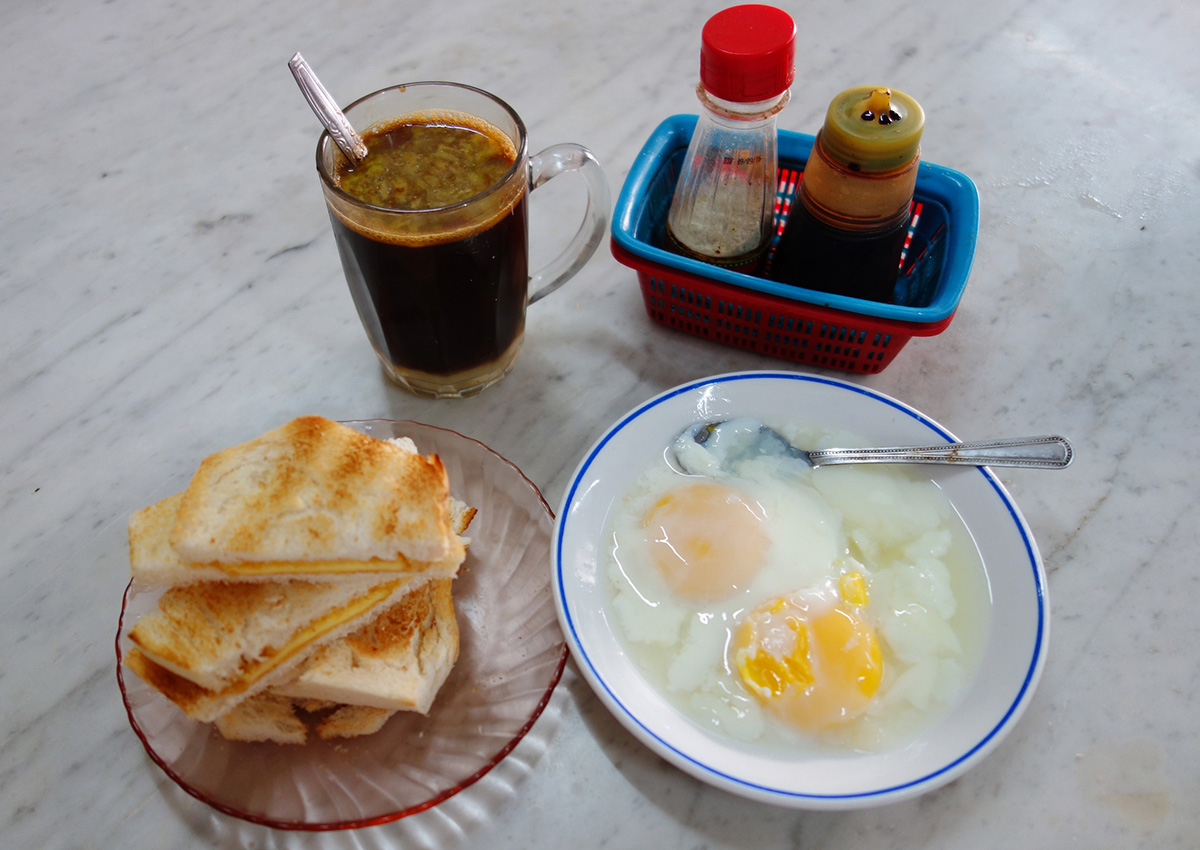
(794, 322)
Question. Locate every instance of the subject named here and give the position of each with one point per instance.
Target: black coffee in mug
(433, 233)
(446, 299)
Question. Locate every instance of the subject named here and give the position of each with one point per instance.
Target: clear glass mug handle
(545, 166)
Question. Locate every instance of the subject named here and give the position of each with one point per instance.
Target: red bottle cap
(747, 53)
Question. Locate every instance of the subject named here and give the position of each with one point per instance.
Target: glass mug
(442, 292)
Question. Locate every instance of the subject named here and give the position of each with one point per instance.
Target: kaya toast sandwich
(364, 521)
(310, 499)
(397, 661)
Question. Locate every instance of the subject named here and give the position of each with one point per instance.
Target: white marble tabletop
(169, 286)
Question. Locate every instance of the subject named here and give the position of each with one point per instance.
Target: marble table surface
(169, 286)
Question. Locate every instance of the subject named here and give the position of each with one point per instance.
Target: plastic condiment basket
(792, 322)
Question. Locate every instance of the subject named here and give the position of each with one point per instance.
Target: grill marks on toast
(315, 489)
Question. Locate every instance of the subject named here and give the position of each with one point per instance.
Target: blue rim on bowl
(994, 700)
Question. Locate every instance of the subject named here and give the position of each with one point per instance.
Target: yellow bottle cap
(872, 129)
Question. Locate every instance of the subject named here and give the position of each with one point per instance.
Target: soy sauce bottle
(722, 211)
(846, 229)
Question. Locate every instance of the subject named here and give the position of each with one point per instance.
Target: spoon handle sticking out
(1048, 452)
(327, 111)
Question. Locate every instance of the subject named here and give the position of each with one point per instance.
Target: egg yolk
(813, 662)
(706, 540)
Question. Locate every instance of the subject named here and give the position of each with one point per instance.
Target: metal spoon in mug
(327, 111)
(729, 442)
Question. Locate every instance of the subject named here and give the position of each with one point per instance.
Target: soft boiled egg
(706, 539)
(746, 595)
(811, 657)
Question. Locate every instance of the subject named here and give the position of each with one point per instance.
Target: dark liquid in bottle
(445, 307)
(816, 255)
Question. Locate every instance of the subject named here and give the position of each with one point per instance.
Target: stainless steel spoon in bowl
(730, 442)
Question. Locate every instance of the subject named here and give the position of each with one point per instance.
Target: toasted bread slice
(351, 721)
(274, 718)
(153, 560)
(397, 661)
(265, 717)
(315, 490)
(209, 646)
(461, 513)
(215, 633)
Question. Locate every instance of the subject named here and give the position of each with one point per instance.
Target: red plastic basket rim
(778, 305)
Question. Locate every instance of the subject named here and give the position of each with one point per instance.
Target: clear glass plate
(511, 657)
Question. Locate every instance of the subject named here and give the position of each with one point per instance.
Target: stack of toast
(307, 584)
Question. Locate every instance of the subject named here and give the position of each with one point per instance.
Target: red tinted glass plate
(510, 659)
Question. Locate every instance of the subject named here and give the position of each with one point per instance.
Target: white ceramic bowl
(1014, 649)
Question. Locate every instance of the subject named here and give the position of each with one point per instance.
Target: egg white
(894, 528)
